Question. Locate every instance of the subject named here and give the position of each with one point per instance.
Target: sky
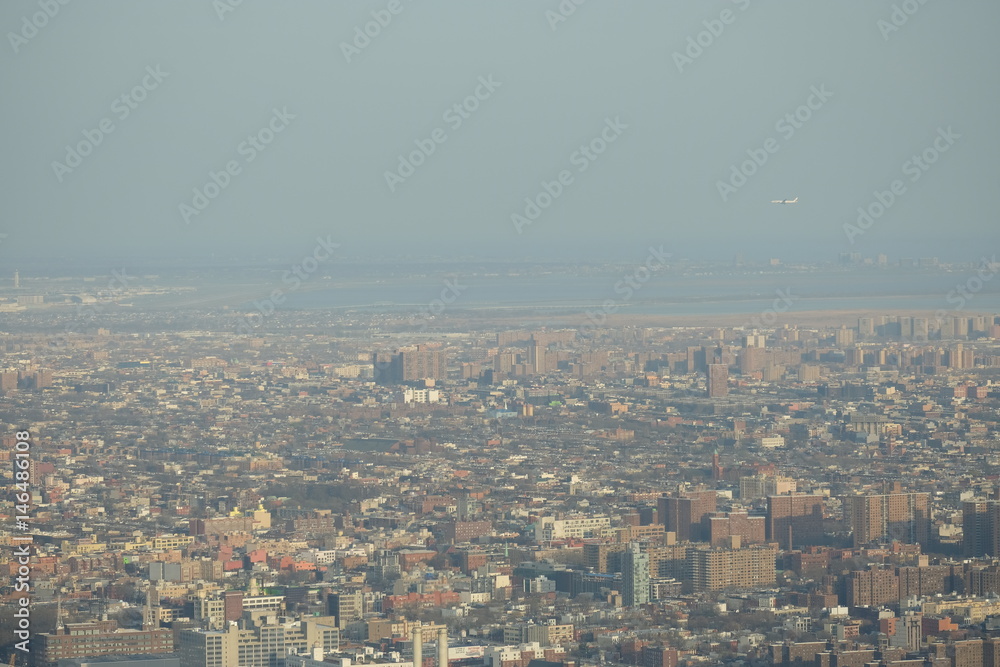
(508, 129)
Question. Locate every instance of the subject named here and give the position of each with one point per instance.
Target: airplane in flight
(785, 201)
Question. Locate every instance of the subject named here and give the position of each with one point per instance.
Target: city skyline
(533, 333)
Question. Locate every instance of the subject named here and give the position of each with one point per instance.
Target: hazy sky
(200, 78)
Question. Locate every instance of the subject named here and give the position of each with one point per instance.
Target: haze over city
(534, 333)
(687, 114)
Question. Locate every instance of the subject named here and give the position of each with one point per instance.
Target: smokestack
(418, 645)
(443, 647)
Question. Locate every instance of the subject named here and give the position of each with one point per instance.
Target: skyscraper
(795, 519)
(635, 576)
(718, 380)
(724, 525)
(981, 528)
(422, 363)
(866, 327)
(903, 517)
(536, 357)
(716, 568)
(687, 514)
(410, 364)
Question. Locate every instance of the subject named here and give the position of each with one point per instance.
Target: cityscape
(533, 333)
(401, 485)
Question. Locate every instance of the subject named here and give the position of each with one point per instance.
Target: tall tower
(888, 517)
(635, 576)
(17, 279)
(536, 357)
(718, 380)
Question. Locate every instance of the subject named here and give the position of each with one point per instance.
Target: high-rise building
(409, 365)
(8, 381)
(795, 519)
(387, 368)
(981, 528)
(422, 363)
(906, 328)
(604, 557)
(717, 568)
(635, 576)
(724, 525)
(961, 327)
(752, 359)
(718, 380)
(844, 336)
(697, 359)
(903, 517)
(41, 379)
(687, 514)
(536, 357)
(956, 360)
(946, 328)
(346, 605)
(809, 373)
(866, 327)
(872, 588)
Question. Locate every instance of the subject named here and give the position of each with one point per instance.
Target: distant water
(662, 294)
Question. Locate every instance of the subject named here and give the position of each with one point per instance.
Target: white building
(549, 528)
(421, 396)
